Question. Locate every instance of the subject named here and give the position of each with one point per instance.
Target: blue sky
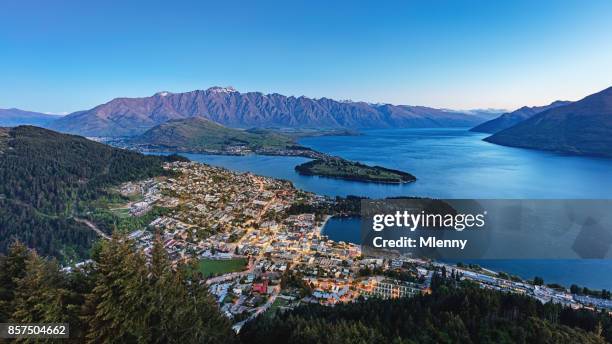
(64, 56)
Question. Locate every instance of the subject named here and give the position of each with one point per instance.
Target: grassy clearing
(278, 303)
(121, 212)
(213, 267)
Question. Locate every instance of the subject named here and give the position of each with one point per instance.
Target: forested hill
(47, 177)
(461, 313)
(581, 128)
(199, 134)
(121, 297)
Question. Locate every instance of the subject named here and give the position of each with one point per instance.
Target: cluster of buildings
(543, 293)
(216, 214)
(146, 191)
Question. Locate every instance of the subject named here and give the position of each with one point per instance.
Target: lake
(592, 273)
(451, 163)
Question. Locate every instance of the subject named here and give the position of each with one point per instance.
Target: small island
(334, 167)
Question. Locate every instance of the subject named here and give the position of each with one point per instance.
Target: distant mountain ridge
(226, 106)
(583, 128)
(509, 119)
(14, 117)
(487, 114)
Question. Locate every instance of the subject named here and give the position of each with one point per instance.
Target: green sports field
(214, 267)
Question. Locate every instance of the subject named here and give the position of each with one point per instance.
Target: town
(260, 254)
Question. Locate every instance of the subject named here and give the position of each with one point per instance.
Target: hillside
(451, 314)
(120, 296)
(226, 106)
(509, 119)
(48, 177)
(14, 117)
(202, 135)
(583, 128)
(199, 134)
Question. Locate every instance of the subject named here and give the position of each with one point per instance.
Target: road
(93, 227)
(259, 310)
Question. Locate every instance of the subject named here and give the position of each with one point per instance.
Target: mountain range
(14, 117)
(509, 119)
(226, 106)
(583, 127)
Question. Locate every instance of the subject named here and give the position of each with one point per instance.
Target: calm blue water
(596, 274)
(343, 229)
(451, 163)
(456, 163)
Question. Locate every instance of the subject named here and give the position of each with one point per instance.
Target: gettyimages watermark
(488, 229)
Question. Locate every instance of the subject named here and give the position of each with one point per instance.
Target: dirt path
(93, 227)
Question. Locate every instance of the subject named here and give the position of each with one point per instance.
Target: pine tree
(12, 268)
(180, 308)
(157, 311)
(210, 326)
(42, 296)
(150, 302)
(110, 316)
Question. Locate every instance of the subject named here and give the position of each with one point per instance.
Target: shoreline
(311, 154)
(319, 229)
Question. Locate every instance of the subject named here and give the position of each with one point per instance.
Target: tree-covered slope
(583, 128)
(48, 177)
(509, 119)
(121, 296)
(196, 134)
(451, 314)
